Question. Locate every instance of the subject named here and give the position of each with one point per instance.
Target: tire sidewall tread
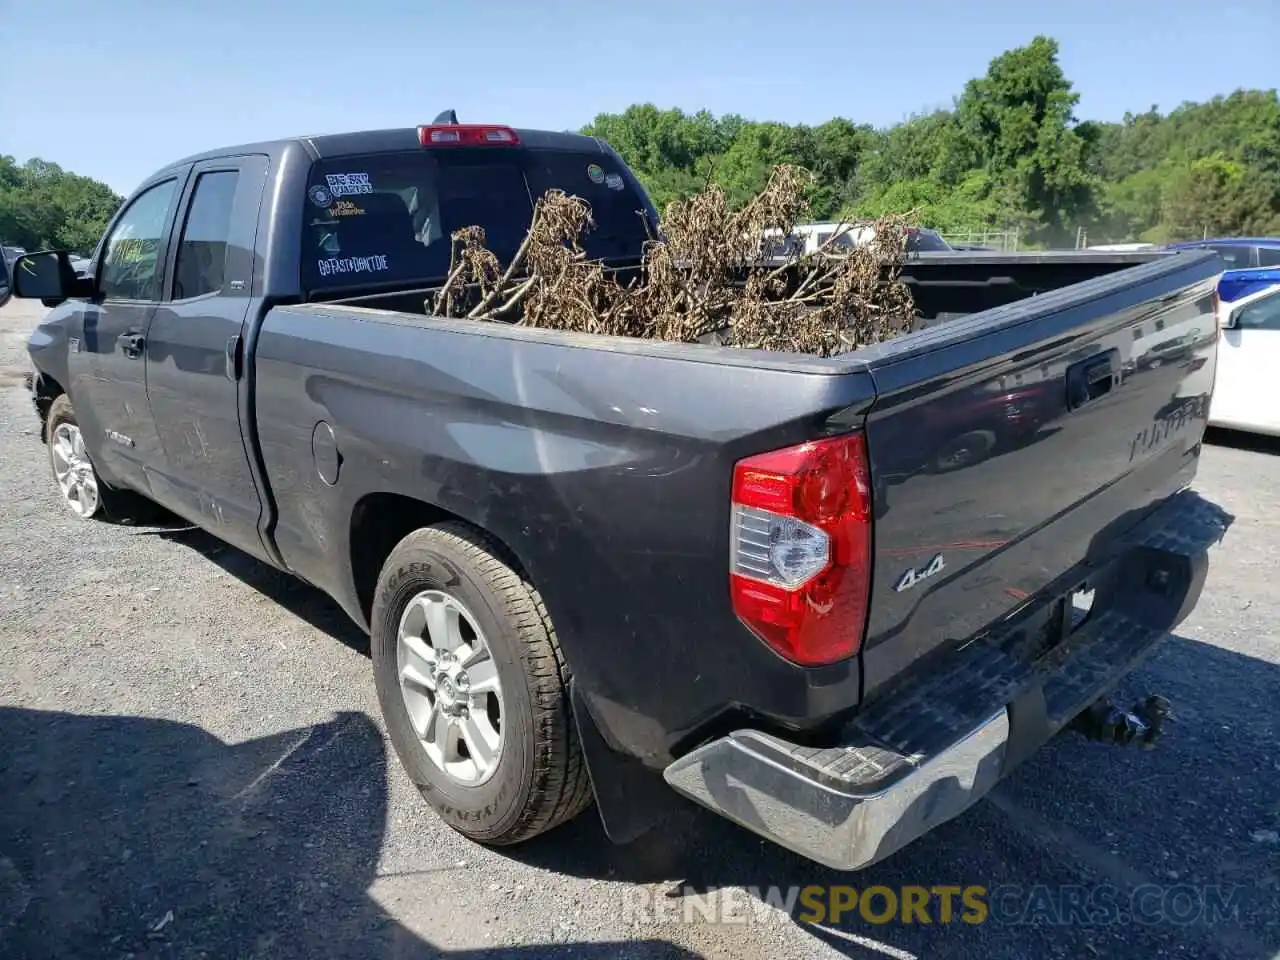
(540, 780)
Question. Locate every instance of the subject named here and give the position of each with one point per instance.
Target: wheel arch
(44, 390)
(379, 520)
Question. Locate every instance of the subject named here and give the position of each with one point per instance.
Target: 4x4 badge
(911, 576)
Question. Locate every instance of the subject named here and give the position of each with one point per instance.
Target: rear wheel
(474, 689)
(82, 490)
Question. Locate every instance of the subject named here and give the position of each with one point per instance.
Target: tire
(539, 779)
(122, 506)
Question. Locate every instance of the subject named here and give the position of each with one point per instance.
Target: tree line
(1010, 154)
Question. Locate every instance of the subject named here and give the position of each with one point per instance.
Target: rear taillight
(800, 547)
(467, 135)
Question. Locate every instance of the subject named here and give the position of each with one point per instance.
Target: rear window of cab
(386, 219)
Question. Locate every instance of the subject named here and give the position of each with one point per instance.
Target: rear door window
(202, 251)
(387, 219)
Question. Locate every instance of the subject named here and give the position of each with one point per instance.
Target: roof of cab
(330, 145)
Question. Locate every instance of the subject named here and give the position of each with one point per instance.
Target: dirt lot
(192, 764)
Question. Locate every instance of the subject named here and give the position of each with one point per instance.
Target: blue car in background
(1250, 263)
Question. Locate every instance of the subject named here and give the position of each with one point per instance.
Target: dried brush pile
(708, 277)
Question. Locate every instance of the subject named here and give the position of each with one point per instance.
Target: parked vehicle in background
(1238, 253)
(1249, 264)
(809, 237)
(10, 253)
(1236, 284)
(1244, 394)
(1122, 247)
(830, 598)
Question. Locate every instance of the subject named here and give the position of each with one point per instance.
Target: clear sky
(118, 88)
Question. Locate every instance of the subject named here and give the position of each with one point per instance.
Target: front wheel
(82, 490)
(474, 689)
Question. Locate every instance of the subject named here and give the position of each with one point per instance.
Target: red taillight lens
(800, 547)
(467, 135)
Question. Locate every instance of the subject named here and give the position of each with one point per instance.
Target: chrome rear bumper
(925, 752)
(746, 777)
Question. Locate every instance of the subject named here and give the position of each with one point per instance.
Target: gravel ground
(192, 764)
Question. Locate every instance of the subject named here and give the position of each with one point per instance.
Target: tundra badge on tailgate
(910, 577)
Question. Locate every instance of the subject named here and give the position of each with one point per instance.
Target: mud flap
(631, 798)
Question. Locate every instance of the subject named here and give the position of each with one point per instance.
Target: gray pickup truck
(833, 599)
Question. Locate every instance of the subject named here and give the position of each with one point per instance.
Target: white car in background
(1246, 392)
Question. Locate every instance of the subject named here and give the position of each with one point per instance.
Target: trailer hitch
(1141, 724)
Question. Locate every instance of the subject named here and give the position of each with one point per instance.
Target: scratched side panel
(989, 488)
(604, 465)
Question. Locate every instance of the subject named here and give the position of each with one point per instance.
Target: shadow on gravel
(1145, 840)
(301, 599)
(123, 836)
(1086, 850)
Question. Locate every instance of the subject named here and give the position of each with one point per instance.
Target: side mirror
(46, 276)
(5, 290)
(1232, 319)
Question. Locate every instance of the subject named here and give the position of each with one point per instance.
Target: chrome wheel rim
(73, 471)
(450, 687)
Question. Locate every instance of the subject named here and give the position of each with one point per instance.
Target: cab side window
(202, 252)
(131, 266)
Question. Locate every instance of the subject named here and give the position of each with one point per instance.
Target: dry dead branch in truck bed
(708, 277)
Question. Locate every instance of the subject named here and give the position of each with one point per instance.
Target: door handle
(132, 344)
(1090, 379)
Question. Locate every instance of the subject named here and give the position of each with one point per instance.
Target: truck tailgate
(1009, 446)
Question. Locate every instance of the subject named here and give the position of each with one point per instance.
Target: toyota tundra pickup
(833, 599)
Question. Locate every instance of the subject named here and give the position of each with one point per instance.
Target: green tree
(1216, 196)
(1020, 118)
(42, 206)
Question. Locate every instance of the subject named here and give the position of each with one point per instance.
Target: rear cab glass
(385, 220)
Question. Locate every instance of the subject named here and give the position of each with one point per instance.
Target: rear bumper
(944, 736)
